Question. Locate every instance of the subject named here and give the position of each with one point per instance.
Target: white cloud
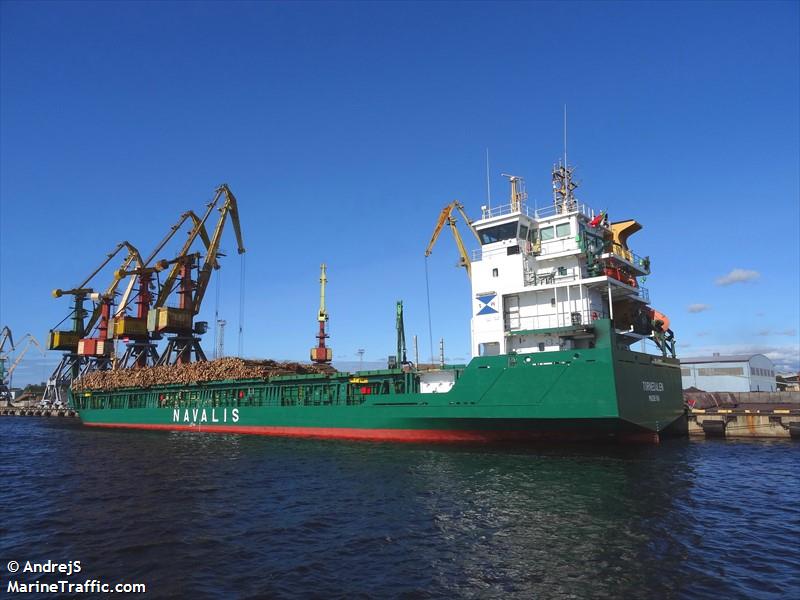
(696, 308)
(786, 332)
(738, 276)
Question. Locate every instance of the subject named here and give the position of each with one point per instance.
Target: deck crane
(140, 350)
(446, 216)
(180, 321)
(401, 335)
(7, 375)
(82, 353)
(320, 354)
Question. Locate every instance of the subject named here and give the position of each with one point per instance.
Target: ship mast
(518, 193)
(564, 188)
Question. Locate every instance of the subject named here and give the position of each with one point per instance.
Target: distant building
(788, 383)
(738, 373)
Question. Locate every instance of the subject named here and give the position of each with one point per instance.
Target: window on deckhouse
(498, 233)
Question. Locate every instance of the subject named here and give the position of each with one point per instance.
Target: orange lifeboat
(659, 316)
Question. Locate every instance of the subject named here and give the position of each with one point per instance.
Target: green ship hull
(605, 392)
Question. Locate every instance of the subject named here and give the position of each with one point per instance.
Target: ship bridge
(542, 276)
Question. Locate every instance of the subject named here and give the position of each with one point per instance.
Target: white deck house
(539, 272)
(736, 373)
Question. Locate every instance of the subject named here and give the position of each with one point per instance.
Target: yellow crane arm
(446, 216)
(460, 208)
(228, 208)
(132, 256)
(161, 264)
(197, 223)
(443, 216)
(198, 229)
(465, 262)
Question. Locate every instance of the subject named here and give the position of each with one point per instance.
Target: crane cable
(428, 294)
(218, 282)
(241, 303)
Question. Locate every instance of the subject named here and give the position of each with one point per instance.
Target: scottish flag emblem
(486, 304)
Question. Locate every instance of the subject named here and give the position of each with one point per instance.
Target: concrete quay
(744, 415)
(15, 411)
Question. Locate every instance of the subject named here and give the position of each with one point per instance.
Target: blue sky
(343, 128)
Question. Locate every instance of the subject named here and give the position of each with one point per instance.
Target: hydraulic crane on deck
(446, 216)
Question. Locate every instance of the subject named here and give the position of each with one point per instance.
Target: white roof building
(735, 373)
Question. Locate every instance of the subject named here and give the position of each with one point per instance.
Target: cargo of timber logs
(215, 370)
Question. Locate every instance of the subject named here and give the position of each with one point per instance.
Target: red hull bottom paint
(398, 435)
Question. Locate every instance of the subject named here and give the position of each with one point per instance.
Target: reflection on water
(210, 514)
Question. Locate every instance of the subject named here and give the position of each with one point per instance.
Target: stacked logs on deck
(215, 370)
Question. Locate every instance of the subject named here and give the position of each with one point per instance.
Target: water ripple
(210, 515)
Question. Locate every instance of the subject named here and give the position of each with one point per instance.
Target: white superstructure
(541, 277)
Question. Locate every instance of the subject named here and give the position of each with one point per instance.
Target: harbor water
(207, 516)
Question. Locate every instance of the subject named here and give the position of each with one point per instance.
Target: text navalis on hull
(557, 305)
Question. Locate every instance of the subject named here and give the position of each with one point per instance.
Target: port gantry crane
(179, 321)
(320, 354)
(446, 216)
(141, 350)
(84, 353)
(7, 375)
(5, 338)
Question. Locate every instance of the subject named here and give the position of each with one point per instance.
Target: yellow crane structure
(140, 350)
(179, 320)
(446, 216)
(82, 353)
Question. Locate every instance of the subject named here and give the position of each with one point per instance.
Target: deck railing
(562, 319)
(551, 210)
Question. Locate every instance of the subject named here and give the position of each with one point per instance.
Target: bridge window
(498, 233)
(546, 233)
(562, 230)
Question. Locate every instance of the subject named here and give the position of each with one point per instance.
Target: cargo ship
(558, 311)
